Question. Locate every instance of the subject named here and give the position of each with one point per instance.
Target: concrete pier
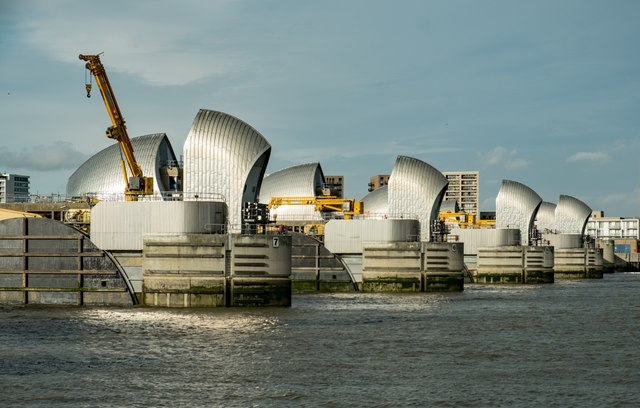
(184, 271)
(215, 270)
(608, 256)
(578, 263)
(515, 264)
(443, 266)
(412, 267)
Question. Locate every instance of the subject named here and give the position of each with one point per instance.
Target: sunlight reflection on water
(491, 345)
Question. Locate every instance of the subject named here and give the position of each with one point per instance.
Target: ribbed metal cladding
(571, 215)
(416, 190)
(376, 203)
(450, 205)
(224, 157)
(516, 207)
(546, 217)
(304, 180)
(102, 174)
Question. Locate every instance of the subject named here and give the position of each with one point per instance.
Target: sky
(545, 93)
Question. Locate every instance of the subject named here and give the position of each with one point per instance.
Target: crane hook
(88, 88)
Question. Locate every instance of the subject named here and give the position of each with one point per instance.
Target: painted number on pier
(276, 242)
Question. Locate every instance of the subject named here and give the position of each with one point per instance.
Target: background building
(377, 181)
(14, 188)
(464, 187)
(335, 184)
(615, 228)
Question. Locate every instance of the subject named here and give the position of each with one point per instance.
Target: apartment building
(14, 188)
(464, 187)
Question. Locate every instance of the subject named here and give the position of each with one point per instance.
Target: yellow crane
(137, 184)
(348, 206)
(465, 220)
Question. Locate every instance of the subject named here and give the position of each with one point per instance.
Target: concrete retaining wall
(45, 262)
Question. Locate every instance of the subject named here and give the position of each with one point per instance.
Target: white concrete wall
(561, 241)
(477, 238)
(122, 225)
(349, 236)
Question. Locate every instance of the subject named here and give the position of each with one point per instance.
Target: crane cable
(88, 83)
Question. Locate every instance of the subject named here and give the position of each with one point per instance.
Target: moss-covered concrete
(505, 277)
(538, 276)
(582, 273)
(336, 286)
(260, 291)
(206, 300)
(390, 282)
(443, 283)
(304, 286)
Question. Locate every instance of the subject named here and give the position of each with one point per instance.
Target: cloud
(631, 197)
(163, 49)
(588, 156)
(501, 156)
(516, 164)
(56, 156)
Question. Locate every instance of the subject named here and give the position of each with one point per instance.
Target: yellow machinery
(6, 214)
(137, 184)
(464, 220)
(347, 206)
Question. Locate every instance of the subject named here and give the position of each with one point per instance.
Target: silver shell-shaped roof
(304, 180)
(516, 207)
(102, 174)
(450, 205)
(376, 203)
(226, 158)
(546, 217)
(571, 215)
(416, 190)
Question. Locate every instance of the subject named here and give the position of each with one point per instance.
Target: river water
(572, 343)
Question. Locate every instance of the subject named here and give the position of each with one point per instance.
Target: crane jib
(137, 184)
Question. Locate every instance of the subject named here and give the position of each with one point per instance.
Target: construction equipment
(137, 184)
(465, 220)
(347, 206)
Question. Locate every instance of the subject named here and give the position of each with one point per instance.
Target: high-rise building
(464, 187)
(377, 181)
(14, 188)
(335, 184)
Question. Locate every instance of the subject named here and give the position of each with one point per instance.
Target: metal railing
(247, 229)
(170, 195)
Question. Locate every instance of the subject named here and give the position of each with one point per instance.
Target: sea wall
(45, 262)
